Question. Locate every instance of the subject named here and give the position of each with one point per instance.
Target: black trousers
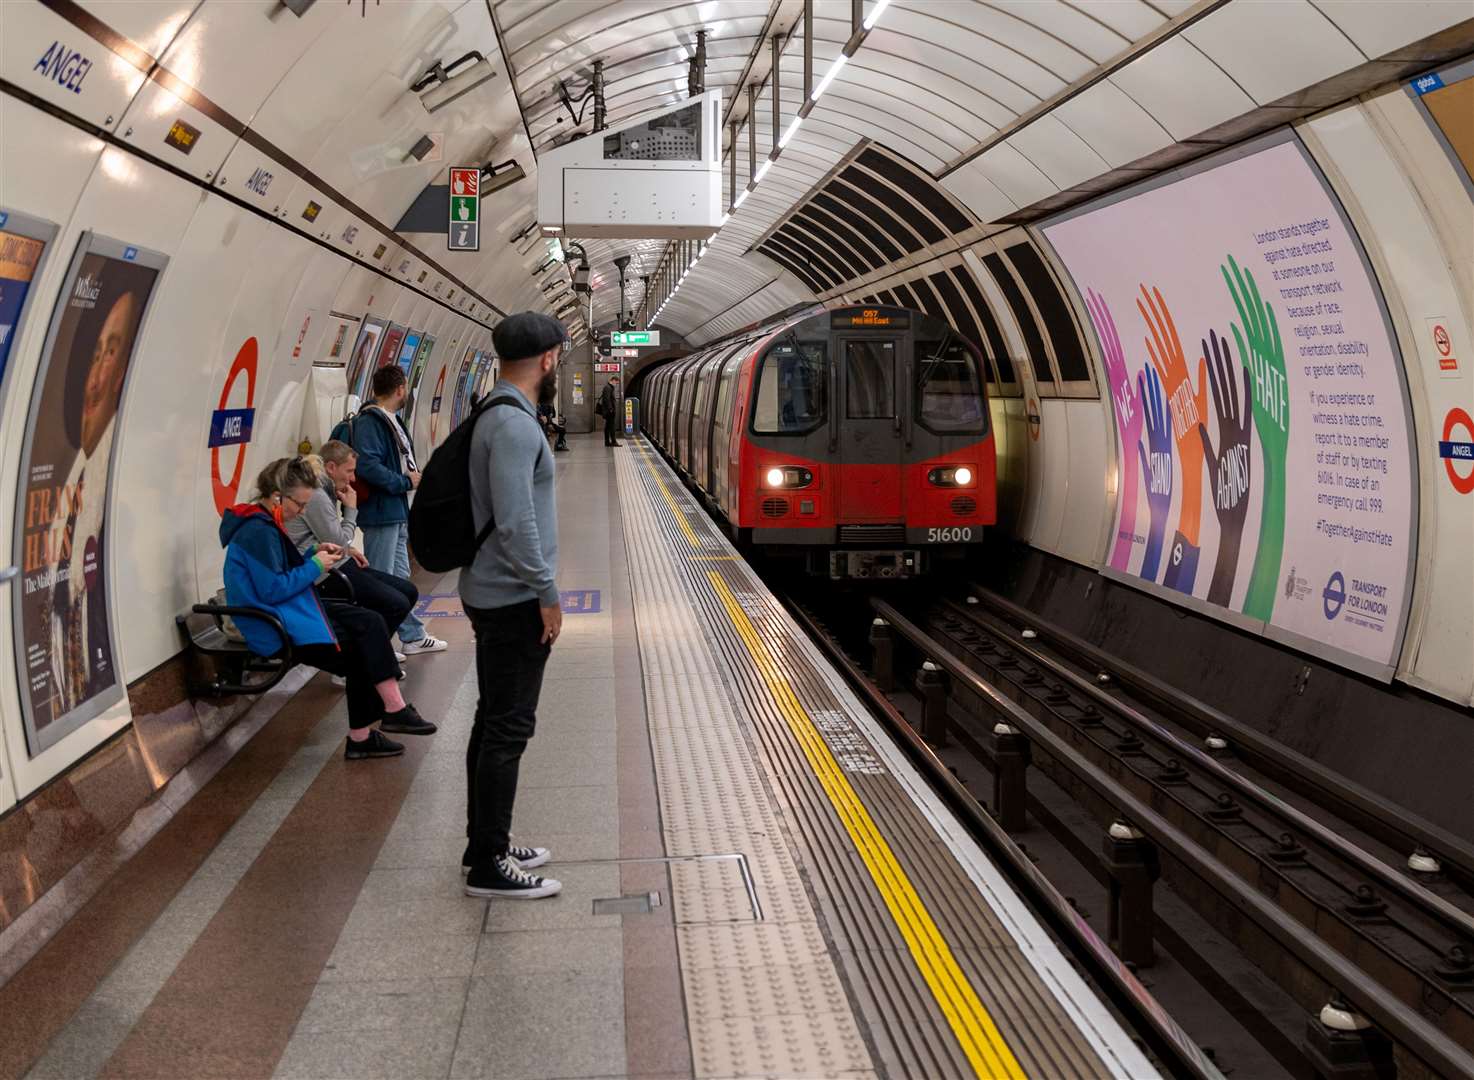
(363, 656)
(509, 674)
(392, 597)
(611, 429)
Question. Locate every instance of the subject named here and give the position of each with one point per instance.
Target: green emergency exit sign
(634, 337)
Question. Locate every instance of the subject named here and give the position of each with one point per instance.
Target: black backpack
(442, 530)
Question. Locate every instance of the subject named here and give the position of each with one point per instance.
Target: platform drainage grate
(642, 904)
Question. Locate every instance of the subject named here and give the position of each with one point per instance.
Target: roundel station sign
(231, 424)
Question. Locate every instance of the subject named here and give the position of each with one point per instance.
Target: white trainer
(426, 644)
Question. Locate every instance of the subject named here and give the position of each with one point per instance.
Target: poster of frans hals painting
(64, 633)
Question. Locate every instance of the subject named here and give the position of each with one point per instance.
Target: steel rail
(1395, 1018)
(1361, 859)
(1350, 799)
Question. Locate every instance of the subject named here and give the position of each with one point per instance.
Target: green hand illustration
(1258, 338)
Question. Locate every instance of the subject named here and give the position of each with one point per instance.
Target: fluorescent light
(762, 171)
(740, 197)
(839, 62)
(702, 251)
(874, 16)
(791, 132)
(725, 218)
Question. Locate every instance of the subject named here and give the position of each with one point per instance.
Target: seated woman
(264, 569)
(321, 522)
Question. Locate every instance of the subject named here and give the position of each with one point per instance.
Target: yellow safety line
(981, 1041)
(691, 537)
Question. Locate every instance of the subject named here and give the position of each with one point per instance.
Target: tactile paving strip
(713, 800)
(822, 771)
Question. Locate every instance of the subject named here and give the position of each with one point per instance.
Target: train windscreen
(790, 397)
(949, 388)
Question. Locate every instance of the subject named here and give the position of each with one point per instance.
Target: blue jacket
(378, 466)
(264, 569)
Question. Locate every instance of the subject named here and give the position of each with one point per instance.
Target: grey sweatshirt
(512, 470)
(320, 523)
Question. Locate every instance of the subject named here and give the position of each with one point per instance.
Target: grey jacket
(320, 522)
(512, 470)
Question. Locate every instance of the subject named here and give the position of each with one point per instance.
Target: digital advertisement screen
(63, 630)
(1265, 464)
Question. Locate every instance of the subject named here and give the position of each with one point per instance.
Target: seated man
(553, 428)
(322, 523)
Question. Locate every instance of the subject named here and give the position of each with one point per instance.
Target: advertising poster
(20, 258)
(1266, 468)
(364, 351)
(463, 383)
(64, 633)
(416, 376)
(407, 352)
(388, 354)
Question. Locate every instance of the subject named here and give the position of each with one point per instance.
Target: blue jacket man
(386, 466)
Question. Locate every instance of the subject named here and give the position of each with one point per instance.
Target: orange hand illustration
(1189, 408)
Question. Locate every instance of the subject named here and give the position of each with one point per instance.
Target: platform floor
(755, 881)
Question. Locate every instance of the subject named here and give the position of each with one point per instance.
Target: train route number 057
(948, 536)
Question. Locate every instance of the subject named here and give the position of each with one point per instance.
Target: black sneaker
(374, 746)
(503, 879)
(407, 722)
(527, 857)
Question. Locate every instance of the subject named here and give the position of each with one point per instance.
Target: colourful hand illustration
(1127, 407)
(1229, 477)
(1263, 356)
(1188, 409)
(1156, 466)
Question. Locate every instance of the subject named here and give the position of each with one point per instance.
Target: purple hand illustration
(1156, 466)
(1229, 478)
(1127, 407)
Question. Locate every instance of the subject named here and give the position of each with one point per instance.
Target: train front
(869, 448)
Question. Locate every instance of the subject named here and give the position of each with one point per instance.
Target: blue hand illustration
(1156, 466)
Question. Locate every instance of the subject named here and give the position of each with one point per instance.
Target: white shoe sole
(549, 887)
(415, 650)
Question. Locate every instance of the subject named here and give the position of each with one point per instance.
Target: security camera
(496, 177)
(581, 278)
(438, 87)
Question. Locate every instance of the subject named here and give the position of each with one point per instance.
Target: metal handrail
(1395, 1018)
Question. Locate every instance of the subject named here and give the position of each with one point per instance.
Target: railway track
(1292, 861)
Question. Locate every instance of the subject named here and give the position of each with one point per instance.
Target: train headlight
(788, 476)
(951, 476)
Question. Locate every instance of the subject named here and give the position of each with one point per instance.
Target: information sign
(464, 229)
(634, 337)
(628, 354)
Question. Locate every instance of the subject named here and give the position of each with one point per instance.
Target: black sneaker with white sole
(503, 879)
(375, 746)
(407, 722)
(527, 857)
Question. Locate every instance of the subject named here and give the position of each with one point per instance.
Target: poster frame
(88, 243)
(32, 228)
(417, 369)
(369, 324)
(1449, 74)
(1383, 672)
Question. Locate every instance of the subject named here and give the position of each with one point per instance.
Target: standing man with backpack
(509, 593)
(609, 409)
(387, 472)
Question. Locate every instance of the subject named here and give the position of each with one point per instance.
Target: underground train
(856, 439)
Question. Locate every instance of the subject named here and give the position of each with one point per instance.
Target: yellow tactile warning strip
(975, 1030)
(948, 972)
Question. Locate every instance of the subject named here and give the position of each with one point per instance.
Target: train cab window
(870, 379)
(949, 388)
(790, 393)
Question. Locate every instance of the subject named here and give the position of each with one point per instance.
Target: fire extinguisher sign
(464, 229)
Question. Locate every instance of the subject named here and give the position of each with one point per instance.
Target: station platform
(756, 881)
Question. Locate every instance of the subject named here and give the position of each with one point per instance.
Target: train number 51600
(957, 535)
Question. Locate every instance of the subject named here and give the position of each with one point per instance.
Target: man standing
(609, 409)
(511, 598)
(386, 466)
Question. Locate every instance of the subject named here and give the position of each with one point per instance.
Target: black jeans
(392, 597)
(363, 655)
(611, 429)
(510, 658)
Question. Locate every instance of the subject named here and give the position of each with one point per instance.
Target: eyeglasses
(299, 505)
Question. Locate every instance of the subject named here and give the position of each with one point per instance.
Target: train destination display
(1265, 462)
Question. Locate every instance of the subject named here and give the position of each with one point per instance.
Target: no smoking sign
(1443, 346)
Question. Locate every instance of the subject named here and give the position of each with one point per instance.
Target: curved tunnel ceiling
(1013, 106)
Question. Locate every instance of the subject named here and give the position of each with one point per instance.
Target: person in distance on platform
(264, 569)
(386, 467)
(511, 597)
(323, 523)
(609, 409)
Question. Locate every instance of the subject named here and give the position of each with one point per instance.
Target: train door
(871, 399)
